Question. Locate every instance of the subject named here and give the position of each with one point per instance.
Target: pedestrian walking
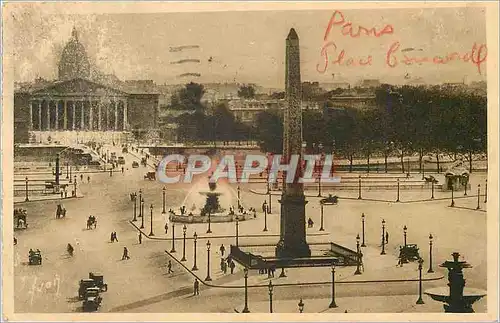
(400, 257)
(386, 237)
(112, 239)
(140, 237)
(95, 223)
(231, 266)
(222, 262)
(166, 228)
(125, 254)
(224, 268)
(122, 169)
(222, 250)
(169, 266)
(196, 290)
(88, 179)
(62, 194)
(81, 178)
(115, 237)
(65, 194)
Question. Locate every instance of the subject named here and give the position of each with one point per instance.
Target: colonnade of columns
(78, 114)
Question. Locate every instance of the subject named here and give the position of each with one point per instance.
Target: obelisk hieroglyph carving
(292, 242)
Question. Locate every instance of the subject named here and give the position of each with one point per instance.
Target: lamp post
(151, 231)
(486, 191)
(67, 170)
(26, 199)
(423, 169)
(404, 233)
(332, 303)
(208, 278)
(140, 199)
(321, 222)
(135, 207)
(163, 192)
(432, 189)
(452, 198)
(383, 237)
(358, 260)
(245, 309)
(420, 300)
(184, 229)
(465, 189)
(74, 184)
(270, 287)
(408, 167)
(359, 187)
(173, 238)
(237, 229)
(301, 306)
(430, 254)
(363, 229)
(209, 230)
(70, 174)
(478, 195)
(142, 212)
(265, 216)
(397, 199)
(195, 236)
(239, 203)
(270, 203)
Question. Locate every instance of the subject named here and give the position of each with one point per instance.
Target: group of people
(91, 222)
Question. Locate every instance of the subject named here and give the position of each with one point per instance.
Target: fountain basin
(214, 218)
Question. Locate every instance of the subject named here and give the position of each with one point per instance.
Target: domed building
(74, 62)
(80, 108)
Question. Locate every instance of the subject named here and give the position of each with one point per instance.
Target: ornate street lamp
(237, 229)
(265, 216)
(270, 287)
(163, 192)
(142, 212)
(26, 199)
(239, 204)
(270, 211)
(478, 195)
(151, 231)
(332, 303)
(173, 237)
(209, 230)
(140, 199)
(452, 198)
(383, 237)
(321, 222)
(208, 278)
(358, 256)
(245, 309)
(135, 207)
(397, 199)
(404, 234)
(432, 189)
(359, 187)
(420, 300)
(301, 306)
(70, 174)
(184, 229)
(67, 170)
(195, 236)
(363, 229)
(430, 254)
(74, 184)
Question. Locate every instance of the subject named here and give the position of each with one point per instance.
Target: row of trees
(405, 120)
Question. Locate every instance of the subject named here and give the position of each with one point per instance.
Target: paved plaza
(143, 284)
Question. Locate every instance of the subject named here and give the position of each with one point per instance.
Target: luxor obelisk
(292, 242)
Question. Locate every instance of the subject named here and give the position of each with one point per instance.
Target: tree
(246, 91)
(188, 98)
(269, 132)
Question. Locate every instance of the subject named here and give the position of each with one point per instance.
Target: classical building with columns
(77, 108)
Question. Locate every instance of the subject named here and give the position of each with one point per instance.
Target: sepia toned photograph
(238, 159)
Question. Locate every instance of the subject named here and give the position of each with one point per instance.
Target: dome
(74, 62)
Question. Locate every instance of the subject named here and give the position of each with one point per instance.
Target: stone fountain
(458, 299)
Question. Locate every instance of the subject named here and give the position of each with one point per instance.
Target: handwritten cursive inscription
(348, 29)
(43, 287)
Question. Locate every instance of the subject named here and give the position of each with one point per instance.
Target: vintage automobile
(84, 285)
(121, 160)
(92, 300)
(99, 281)
(330, 200)
(409, 253)
(35, 257)
(150, 175)
(20, 218)
(124, 150)
(135, 164)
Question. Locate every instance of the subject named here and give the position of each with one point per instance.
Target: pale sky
(250, 46)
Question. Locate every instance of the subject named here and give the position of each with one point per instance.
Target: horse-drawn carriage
(330, 200)
(60, 211)
(150, 175)
(20, 216)
(35, 257)
(408, 253)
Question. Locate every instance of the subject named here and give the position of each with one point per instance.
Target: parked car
(121, 160)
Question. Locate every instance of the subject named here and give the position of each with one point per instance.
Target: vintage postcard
(250, 161)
